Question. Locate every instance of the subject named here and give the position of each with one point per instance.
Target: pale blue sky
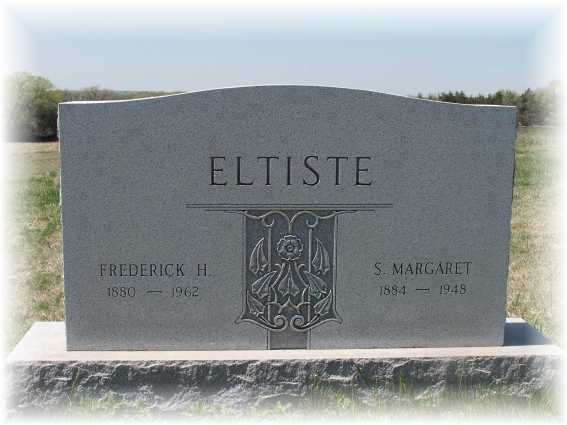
(398, 49)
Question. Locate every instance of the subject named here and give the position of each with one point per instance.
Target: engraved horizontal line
(423, 289)
(287, 206)
(154, 292)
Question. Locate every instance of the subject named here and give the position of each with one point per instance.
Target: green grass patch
(536, 161)
(36, 284)
(534, 244)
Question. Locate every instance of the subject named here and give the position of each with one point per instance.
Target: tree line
(535, 107)
(32, 103)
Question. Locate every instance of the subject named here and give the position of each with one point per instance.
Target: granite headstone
(285, 217)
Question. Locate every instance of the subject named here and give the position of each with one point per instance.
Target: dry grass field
(533, 286)
(35, 280)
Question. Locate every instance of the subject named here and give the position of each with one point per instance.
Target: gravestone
(285, 217)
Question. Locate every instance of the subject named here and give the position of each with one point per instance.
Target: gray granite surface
(44, 376)
(285, 217)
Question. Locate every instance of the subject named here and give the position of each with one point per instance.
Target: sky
(398, 47)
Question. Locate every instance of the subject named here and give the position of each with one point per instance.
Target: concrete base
(44, 375)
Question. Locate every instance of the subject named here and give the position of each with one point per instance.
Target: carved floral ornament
(289, 247)
(292, 285)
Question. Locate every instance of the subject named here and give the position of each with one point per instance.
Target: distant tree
(31, 106)
(535, 107)
(509, 97)
(549, 97)
(94, 93)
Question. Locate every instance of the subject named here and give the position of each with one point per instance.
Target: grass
(534, 246)
(34, 240)
(36, 288)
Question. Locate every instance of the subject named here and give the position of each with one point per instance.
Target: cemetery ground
(35, 283)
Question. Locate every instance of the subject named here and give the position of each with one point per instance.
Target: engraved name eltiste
(309, 170)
